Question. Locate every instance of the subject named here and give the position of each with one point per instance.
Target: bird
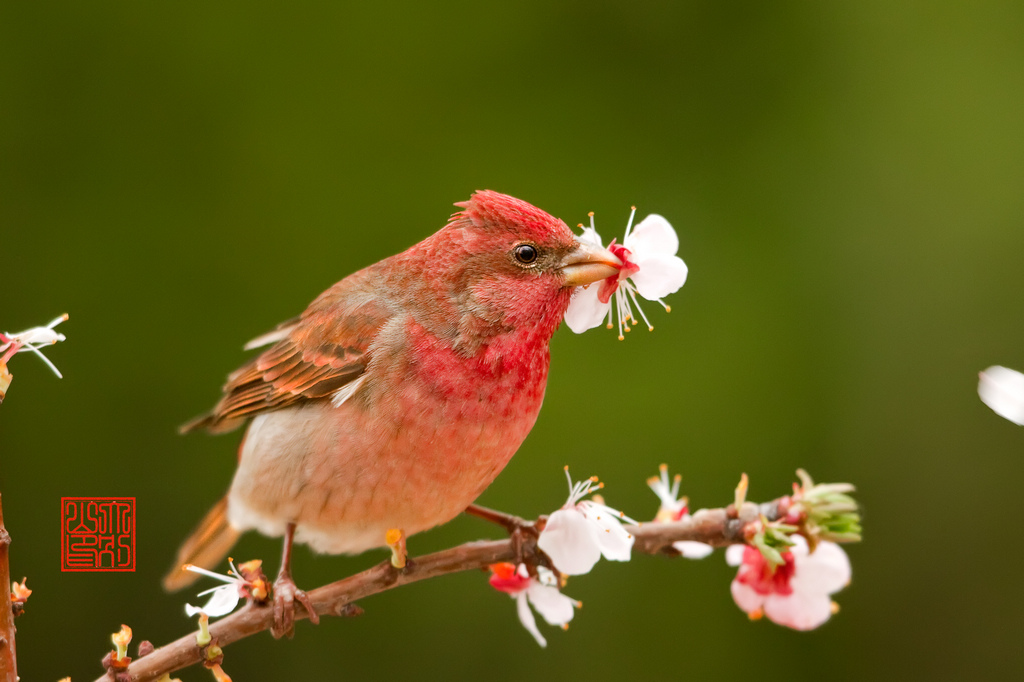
(398, 395)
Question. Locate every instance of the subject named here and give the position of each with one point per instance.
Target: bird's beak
(587, 264)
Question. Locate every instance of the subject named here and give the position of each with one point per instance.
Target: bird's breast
(425, 434)
(451, 421)
(501, 378)
(457, 418)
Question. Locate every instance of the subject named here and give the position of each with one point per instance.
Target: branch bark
(8, 655)
(718, 527)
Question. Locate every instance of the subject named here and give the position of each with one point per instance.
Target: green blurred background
(846, 181)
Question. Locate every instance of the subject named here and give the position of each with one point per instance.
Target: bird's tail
(206, 547)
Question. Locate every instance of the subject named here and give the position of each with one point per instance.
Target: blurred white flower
(797, 594)
(245, 581)
(650, 268)
(542, 592)
(1002, 389)
(578, 534)
(674, 508)
(31, 340)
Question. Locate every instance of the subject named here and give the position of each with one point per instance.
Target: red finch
(400, 393)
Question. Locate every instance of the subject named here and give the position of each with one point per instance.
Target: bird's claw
(285, 596)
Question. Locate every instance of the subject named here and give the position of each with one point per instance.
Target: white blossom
(675, 508)
(578, 534)
(542, 592)
(246, 581)
(650, 268)
(31, 341)
(1002, 389)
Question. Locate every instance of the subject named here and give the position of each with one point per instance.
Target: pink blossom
(797, 594)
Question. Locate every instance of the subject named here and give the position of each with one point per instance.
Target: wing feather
(310, 359)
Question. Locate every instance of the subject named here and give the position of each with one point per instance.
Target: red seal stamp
(97, 534)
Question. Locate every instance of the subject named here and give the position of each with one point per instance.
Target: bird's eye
(526, 253)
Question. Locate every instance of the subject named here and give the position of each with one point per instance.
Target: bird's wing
(311, 359)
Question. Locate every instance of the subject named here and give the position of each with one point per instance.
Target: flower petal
(585, 310)
(570, 540)
(555, 607)
(745, 597)
(693, 550)
(615, 541)
(545, 576)
(799, 547)
(1002, 389)
(652, 235)
(590, 236)
(801, 610)
(527, 619)
(734, 554)
(222, 602)
(826, 570)
(659, 276)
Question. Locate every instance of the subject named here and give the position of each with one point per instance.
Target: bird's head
(510, 265)
(525, 243)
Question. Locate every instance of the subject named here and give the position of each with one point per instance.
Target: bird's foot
(285, 596)
(395, 539)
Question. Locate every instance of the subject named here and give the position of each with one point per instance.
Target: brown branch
(718, 527)
(8, 655)
(509, 522)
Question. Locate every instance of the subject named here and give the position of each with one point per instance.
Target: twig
(28, 340)
(715, 527)
(718, 527)
(507, 521)
(8, 657)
